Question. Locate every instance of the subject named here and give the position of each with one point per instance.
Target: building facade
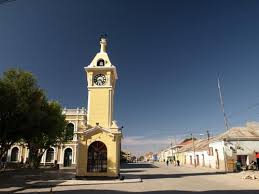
(65, 155)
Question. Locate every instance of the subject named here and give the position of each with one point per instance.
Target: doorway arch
(14, 154)
(68, 157)
(97, 157)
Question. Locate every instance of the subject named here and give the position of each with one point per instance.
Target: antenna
(222, 105)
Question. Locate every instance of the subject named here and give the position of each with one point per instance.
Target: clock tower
(101, 78)
(100, 143)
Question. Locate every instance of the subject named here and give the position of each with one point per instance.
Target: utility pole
(222, 105)
(193, 147)
(226, 123)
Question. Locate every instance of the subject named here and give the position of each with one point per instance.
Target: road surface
(160, 179)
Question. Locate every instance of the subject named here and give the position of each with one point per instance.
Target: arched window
(100, 62)
(50, 155)
(14, 154)
(97, 157)
(68, 157)
(70, 131)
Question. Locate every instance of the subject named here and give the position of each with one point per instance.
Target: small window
(210, 151)
(100, 62)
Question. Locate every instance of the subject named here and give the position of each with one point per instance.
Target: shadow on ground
(133, 170)
(25, 178)
(156, 192)
(137, 165)
(159, 176)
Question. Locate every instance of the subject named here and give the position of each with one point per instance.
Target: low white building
(237, 144)
(223, 152)
(196, 153)
(165, 154)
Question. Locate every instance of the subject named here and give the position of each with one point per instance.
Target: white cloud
(141, 140)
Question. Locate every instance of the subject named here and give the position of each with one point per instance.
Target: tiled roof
(185, 142)
(250, 132)
(199, 145)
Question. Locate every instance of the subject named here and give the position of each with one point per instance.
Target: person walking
(167, 162)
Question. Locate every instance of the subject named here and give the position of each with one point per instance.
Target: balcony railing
(78, 111)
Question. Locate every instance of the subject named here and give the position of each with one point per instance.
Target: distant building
(148, 156)
(154, 157)
(171, 153)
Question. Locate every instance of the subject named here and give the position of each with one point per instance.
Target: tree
(49, 130)
(141, 158)
(27, 115)
(123, 158)
(18, 90)
(133, 158)
(8, 114)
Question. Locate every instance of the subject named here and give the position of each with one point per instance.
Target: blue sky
(168, 55)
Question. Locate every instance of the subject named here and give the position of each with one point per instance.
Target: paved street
(156, 178)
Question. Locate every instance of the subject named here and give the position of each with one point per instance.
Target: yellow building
(65, 154)
(99, 144)
(95, 147)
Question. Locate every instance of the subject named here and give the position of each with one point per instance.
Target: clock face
(99, 79)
